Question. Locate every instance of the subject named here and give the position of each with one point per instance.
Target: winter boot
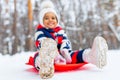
(47, 52)
(97, 55)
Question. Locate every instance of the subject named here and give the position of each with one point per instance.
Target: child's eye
(46, 18)
(53, 18)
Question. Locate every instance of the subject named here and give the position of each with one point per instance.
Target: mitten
(66, 55)
(59, 60)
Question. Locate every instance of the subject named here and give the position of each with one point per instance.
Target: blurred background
(81, 19)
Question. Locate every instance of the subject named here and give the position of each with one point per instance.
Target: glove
(59, 60)
(66, 55)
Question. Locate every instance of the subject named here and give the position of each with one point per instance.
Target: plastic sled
(59, 67)
(68, 67)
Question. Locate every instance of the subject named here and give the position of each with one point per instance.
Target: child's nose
(50, 20)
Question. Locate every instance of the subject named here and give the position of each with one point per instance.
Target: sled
(60, 67)
(68, 67)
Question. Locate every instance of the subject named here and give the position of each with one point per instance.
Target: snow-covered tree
(81, 19)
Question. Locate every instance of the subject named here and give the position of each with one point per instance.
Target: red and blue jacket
(58, 34)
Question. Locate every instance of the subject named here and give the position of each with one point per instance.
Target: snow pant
(77, 57)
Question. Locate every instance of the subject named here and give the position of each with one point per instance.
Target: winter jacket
(58, 34)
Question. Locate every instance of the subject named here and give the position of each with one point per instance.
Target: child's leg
(47, 53)
(77, 56)
(97, 54)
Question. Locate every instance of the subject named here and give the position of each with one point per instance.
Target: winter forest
(81, 19)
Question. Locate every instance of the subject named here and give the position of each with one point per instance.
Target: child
(54, 46)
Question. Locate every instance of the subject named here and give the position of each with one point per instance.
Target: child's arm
(39, 36)
(65, 47)
(66, 44)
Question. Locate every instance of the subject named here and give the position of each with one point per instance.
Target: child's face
(50, 20)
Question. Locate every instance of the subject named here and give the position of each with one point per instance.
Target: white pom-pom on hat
(46, 6)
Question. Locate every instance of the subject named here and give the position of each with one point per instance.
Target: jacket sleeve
(65, 44)
(39, 36)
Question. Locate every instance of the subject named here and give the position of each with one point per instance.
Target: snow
(14, 68)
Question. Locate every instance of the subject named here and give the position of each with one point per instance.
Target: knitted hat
(46, 6)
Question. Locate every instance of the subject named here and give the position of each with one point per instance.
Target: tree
(29, 41)
(14, 33)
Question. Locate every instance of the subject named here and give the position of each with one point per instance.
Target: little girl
(54, 46)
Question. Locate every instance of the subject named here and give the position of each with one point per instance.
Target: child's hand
(37, 44)
(59, 60)
(66, 55)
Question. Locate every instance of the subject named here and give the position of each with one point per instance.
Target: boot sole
(101, 52)
(47, 52)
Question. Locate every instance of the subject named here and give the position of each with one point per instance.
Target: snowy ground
(14, 68)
